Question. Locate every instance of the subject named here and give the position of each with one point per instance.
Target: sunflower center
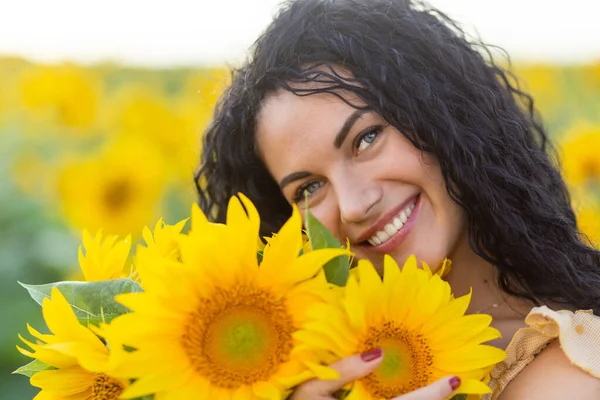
(106, 388)
(117, 194)
(591, 170)
(239, 336)
(407, 360)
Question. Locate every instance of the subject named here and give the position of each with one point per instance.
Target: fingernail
(455, 382)
(371, 354)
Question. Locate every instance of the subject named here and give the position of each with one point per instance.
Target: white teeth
(392, 228)
(403, 216)
(398, 223)
(381, 235)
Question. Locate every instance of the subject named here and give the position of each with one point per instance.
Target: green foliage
(338, 269)
(33, 367)
(92, 302)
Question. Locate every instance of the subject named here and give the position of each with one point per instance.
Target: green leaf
(92, 302)
(461, 396)
(338, 269)
(259, 256)
(30, 369)
(341, 394)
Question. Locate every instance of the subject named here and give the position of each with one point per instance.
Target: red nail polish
(371, 354)
(455, 382)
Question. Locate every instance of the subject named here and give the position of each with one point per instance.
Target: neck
(469, 271)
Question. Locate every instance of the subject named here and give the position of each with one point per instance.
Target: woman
(406, 138)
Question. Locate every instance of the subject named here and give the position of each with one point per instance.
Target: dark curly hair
(418, 69)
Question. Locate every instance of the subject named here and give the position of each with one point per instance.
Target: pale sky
(191, 32)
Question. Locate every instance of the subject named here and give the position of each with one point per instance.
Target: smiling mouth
(393, 227)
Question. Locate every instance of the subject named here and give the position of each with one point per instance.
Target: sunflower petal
(472, 386)
(468, 358)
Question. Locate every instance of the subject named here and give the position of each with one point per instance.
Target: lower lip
(399, 236)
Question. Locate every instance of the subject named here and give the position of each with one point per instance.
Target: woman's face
(364, 180)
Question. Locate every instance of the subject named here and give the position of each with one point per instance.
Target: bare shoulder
(552, 376)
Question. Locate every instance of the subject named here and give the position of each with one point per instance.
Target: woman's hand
(358, 366)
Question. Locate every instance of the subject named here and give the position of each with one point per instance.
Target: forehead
(292, 123)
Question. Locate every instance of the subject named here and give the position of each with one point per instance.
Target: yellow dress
(578, 333)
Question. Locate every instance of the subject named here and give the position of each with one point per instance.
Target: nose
(357, 197)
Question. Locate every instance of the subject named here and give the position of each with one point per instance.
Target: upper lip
(385, 219)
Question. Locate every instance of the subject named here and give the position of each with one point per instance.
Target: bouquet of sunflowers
(215, 314)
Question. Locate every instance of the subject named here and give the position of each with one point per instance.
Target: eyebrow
(337, 142)
(343, 133)
(293, 177)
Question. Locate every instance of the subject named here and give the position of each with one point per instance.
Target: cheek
(442, 230)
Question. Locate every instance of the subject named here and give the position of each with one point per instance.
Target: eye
(309, 187)
(366, 138)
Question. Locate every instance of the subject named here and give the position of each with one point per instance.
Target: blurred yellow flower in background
(581, 154)
(104, 258)
(67, 93)
(10, 68)
(587, 211)
(543, 82)
(591, 75)
(118, 191)
(201, 92)
(588, 219)
(32, 174)
(146, 115)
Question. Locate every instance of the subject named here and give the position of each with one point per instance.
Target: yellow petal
(64, 381)
(147, 234)
(284, 248)
(322, 372)
(199, 220)
(372, 291)
(355, 307)
(308, 265)
(318, 340)
(457, 332)
(456, 308)
(429, 297)
(468, 358)
(266, 390)
(245, 227)
(472, 386)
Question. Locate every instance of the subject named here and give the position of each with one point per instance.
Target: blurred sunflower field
(114, 148)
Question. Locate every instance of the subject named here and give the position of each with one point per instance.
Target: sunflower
(69, 94)
(543, 81)
(104, 257)
(217, 324)
(118, 191)
(165, 239)
(587, 210)
(146, 114)
(580, 160)
(411, 315)
(80, 358)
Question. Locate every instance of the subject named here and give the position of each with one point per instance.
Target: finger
(438, 390)
(349, 369)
